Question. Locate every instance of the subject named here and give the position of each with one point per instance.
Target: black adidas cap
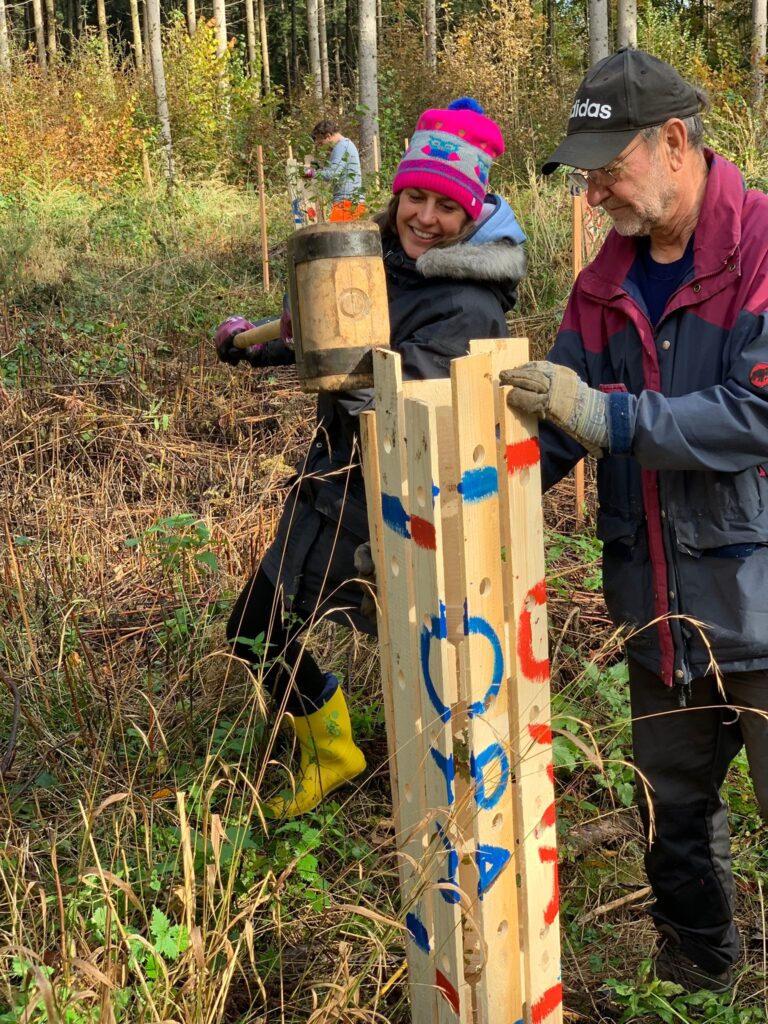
(620, 96)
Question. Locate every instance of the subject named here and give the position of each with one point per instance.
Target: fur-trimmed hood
(493, 252)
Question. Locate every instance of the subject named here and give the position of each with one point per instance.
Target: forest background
(141, 481)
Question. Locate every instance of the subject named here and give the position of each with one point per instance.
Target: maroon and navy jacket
(683, 489)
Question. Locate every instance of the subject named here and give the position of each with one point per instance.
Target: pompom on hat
(451, 152)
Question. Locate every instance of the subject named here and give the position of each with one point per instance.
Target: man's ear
(674, 134)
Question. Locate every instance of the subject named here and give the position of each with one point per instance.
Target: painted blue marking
(476, 625)
(477, 484)
(491, 861)
(449, 895)
(447, 767)
(495, 752)
(394, 515)
(438, 631)
(435, 492)
(418, 932)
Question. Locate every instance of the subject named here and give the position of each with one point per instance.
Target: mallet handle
(264, 331)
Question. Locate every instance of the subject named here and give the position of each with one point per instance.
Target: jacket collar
(718, 233)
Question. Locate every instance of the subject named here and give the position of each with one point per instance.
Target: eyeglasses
(601, 177)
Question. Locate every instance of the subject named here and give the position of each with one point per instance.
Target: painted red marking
(551, 773)
(448, 990)
(535, 670)
(423, 533)
(548, 817)
(540, 733)
(547, 1004)
(548, 855)
(522, 455)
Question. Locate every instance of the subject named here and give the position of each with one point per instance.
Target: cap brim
(589, 150)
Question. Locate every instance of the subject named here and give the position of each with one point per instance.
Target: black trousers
(684, 755)
(286, 666)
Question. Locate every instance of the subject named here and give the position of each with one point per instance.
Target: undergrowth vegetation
(141, 482)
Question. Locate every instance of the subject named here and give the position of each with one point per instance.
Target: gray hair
(694, 125)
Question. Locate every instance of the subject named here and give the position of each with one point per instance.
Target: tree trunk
(101, 18)
(191, 17)
(138, 46)
(152, 8)
(430, 33)
(220, 21)
(325, 77)
(314, 48)
(78, 16)
(5, 53)
(294, 47)
(266, 78)
(368, 71)
(626, 23)
(50, 24)
(37, 15)
(145, 28)
(759, 22)
(598, 30)
(250, 37)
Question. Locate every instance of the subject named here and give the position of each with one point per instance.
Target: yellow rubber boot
(329, 757)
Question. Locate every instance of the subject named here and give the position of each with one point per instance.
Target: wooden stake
(290, 151)
(577, 225)
(263, 217)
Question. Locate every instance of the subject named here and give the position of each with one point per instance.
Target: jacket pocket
(716, 510)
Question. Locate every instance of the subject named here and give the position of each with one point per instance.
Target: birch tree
(152, 8)
(5, 53)
(191, 18)
(101, 18)
(266, 78)
(626, 23)
(250, 37)
(50, 24)
(37, 19)
(313, 36)
(759, 23)
(138, 47)
(368, 72)
(325, 79)
(430, 33)
(598, 30)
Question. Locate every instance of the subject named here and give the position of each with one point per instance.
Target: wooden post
(577, 224)
(263, 218)
(461, 630)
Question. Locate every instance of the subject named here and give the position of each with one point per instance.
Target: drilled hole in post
(535, 712)
(395, 566)
(388, 443)
(445, 963)
(427, 620)
(421, 496)
(408, 792)
(503, 927)
(478, 455)
(401, 679)
(498, 821)
(485, 586)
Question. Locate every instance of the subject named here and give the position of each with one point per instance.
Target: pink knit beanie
(451, 152)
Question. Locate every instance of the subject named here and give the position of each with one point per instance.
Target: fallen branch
(622, 901)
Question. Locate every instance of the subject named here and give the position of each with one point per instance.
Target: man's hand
(224, 339)
(558, 394)
(366, 572)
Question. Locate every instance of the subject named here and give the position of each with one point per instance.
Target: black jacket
(436, 306)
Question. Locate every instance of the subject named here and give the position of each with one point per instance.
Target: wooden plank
(402, 672)
(530, 714)
(437, 674)
(505, 353)
(485, 679)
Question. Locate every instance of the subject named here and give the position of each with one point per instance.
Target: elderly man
(660, 368)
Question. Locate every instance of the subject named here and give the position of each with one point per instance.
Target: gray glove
(558, 394)
(366, 577)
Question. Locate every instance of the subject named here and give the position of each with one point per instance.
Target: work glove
(310, 172)
(558, 394)
(366, 576)
(286, 325)
(224, 339)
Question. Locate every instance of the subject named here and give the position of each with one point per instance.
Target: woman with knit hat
(453, 257)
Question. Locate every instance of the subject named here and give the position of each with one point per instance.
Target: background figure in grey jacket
(342, 171)
(661, 369)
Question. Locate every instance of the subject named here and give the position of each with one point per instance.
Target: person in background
(660, 368)
(453, 257)
(342, 171)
